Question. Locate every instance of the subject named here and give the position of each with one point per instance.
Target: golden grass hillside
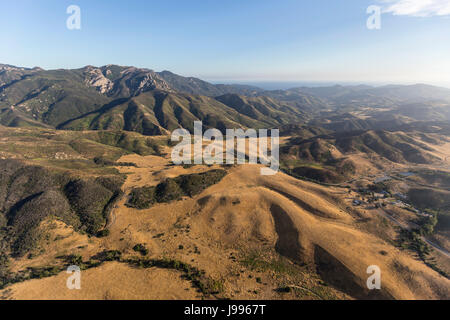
(253, 236)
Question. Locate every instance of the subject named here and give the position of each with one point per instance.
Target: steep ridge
(158, 112)
(196, 86)
(264, 109)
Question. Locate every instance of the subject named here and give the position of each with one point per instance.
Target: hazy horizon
(283, 85)
(257, 41)
(268, 84)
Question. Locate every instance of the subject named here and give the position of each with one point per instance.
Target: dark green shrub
(168, 191)
(103, 233)
(88, 199)
(44, 272)
(142, 198)
(141, 249)
(283, 290)
(109, 255)
(74, 259)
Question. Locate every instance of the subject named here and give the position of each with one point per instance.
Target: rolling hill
(245, 237)
(331, 158)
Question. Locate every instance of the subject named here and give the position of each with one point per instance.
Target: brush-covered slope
(69, 176)
(14, 118)
(302, 100)
(397, 147)
(394, 146)
(30, 194)
(73, 150)
(157, 112)
(10, 74)
(196, 86)
(264, 109)
(56, 96)
(347, 121)
(304, 131)
(423, 111)
(337, 157)
(50, 97)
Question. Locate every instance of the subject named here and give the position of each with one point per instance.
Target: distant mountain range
(142, 100)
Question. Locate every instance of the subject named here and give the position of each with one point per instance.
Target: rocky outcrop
(127, 81)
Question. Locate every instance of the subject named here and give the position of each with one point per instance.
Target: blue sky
(238, 40)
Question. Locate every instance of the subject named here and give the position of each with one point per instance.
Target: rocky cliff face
(123, 81)
(94, 77)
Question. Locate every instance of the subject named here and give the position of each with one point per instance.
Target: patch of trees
(174, 189)
(30, 194)
(108, 163)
